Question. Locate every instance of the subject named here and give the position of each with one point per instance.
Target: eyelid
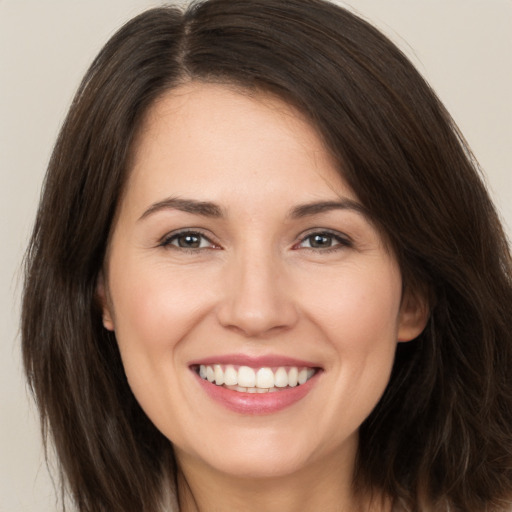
(342, 239)
(168, 238)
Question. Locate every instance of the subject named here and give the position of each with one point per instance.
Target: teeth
(265, 378)
(219, 375)
(250, 380)
(280, 378)
(293, 376)
(303, 376)
(246, 377)
(230, 376)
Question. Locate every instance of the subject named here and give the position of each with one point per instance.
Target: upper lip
(269, 360)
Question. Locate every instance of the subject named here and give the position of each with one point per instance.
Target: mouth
(255, 386)
(244, 379)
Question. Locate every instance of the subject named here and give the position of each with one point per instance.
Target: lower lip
(257, 403)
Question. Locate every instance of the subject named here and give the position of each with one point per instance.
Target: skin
(255, 286)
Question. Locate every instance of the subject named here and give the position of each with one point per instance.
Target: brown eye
(188, 240)
(324, 240)
(320, 241)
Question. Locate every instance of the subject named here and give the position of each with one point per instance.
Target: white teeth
(219, 374)
(248, 390)
(293, 376)
(230, 376)
(303, 376)
(210, 374)
(265, 378)
(251, 380)
(281, 378)
(246, 377)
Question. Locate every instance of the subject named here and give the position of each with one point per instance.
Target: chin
(260, 466)
(258, 453)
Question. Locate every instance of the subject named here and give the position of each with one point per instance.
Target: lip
(254, 361)
(255, 403)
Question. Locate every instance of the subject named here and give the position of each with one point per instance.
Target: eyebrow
(315, 208)
(209, 209)
(203, 208)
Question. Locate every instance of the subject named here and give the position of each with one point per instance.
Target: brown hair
(441, 437)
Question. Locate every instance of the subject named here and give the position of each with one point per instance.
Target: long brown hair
(441, 437)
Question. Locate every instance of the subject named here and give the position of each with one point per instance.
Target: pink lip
(255, 403)
(254, 362)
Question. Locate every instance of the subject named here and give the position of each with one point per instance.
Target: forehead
(213, 139)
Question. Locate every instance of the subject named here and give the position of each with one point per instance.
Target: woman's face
(239, 254)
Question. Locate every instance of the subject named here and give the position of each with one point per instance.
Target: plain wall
(463, 47)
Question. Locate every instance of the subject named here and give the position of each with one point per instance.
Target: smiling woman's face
(239, 254)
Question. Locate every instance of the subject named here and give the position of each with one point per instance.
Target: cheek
(358, 315)
(153, 306)
(358, 308)
(358, 376)
(154, 311)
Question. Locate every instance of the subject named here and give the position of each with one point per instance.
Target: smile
(255, 380)
(255, 386)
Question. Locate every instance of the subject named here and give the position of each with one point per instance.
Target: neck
(322, 485)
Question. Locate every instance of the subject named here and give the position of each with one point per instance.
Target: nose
(258, 296)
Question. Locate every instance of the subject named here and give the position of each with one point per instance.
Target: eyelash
(168, 240)
(341, 241)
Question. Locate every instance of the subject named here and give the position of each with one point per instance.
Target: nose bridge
(256, 299)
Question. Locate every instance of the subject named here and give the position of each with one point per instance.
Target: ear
(413, 316)
(104, 303)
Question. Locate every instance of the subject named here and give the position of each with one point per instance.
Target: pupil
(189, 241)
(320, 241)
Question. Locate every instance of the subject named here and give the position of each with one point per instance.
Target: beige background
(463, 47)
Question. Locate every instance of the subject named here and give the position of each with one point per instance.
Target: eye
(323, 241)
(191, 240)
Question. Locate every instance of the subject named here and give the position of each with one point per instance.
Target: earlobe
(104, 303)
(413, 316)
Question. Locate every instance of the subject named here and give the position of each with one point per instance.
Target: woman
(265, 274)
